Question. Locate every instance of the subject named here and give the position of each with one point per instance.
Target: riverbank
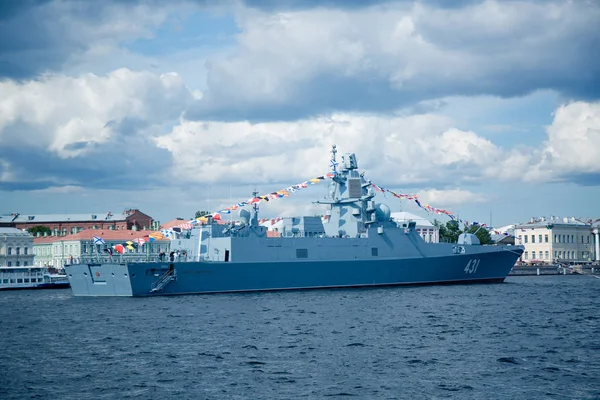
(555, 270)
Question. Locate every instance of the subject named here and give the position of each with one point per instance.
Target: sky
(489, 109)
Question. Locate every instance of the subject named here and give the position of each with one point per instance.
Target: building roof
(174, 223)
(544, 222)
(14, 232)
(106, 234)
(406, 216)
(17, 218)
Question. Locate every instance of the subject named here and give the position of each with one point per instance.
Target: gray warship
(357, 244)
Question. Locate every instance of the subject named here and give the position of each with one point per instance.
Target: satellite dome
(244, 216)
(382, 212)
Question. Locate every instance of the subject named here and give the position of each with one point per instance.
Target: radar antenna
(333, 162)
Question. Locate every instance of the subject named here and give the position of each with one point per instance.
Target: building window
(572, 238)
(25, 263)
(9, 264)
(374, 251)
(18, 250)
(525, 255)
(532, 238)
(18, 263)
(9, 251)
(540, 239)
(547, 255)
(545, 238)
(25, 249)
(533, 255)
(556, 238)
(301, 253)
(525, 237)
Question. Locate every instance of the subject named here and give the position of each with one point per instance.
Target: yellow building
(552, 240)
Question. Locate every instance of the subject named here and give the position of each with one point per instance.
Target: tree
(39, 228)
(482, 234)
(202, 213)
(448, 232)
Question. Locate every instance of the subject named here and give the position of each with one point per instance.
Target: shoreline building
(552, 240)
(429, 232)
(68, 224)
(16, 248)
(81, 247)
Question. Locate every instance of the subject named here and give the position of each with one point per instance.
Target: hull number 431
(472, 266)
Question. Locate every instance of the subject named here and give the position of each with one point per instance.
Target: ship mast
(255, 209)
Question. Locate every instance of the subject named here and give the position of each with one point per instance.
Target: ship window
(26, 280)
(4, 280)
(19, 280)
(301, 253)
(374, 251)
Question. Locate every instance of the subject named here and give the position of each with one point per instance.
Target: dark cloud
(323, 94)
(461, 55)
(583, 179)
(127, 162)
(10, 8)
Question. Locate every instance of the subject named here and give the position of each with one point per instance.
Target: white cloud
(451, 197)
(64, 111)
(394, 150)
(574, 139)
(569, 153)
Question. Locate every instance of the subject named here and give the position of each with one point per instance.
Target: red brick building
(67, 224)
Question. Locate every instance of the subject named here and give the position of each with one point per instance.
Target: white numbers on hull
(472, 266)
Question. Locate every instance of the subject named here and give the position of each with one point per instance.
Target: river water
(528, 338)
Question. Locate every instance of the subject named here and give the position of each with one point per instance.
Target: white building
(16, 248)
(56, 251)
(565, 240)
(429, 232)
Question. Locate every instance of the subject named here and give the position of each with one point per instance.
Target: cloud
(573, 141)
(305, 62)
(42, 36)
(87, 131)
(451, 197)
(399, 150)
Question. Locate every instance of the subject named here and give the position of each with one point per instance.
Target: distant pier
(555, 270)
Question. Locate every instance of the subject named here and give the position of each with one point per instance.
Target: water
(531, 337)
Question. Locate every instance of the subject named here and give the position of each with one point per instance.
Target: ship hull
(139, 279)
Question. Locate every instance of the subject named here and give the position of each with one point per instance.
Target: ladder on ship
(163, 280)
